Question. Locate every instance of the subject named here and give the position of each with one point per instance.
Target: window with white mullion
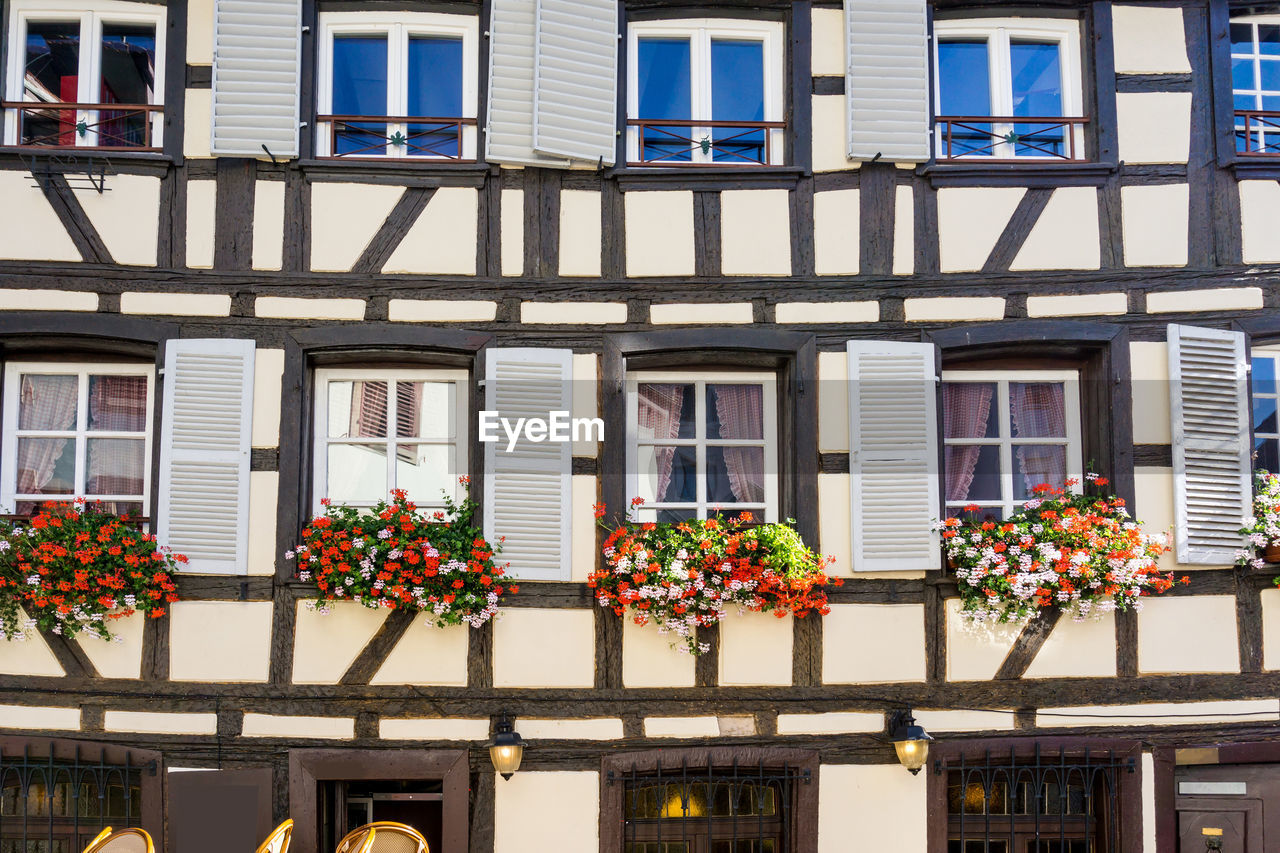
(1264, 373)
(1255, 83)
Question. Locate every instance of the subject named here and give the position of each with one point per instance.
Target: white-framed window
(383, 429)
(705, 91)
(1264, 381)
(1008, 88)
(397, 84)
(77, 430)
(701, 443)
(1255, 83)
(1004, 433)
(104, 60)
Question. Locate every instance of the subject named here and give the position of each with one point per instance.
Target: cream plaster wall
(344, 218)
(1149, 40)
(659, 233)
(1259, 212)
(970, 220)
(755, 648)
(544, 810)
(584, 403)
(326, 644)
(1078, 305)
(443, 238)
(38, 718)
(168, 303)
(427, 654)
(202, 202)
(268, 376)
(511, 224)
(278, 726)
(120, 657)
(873, 643)
(827, 312)
(1153, 221)
(1154, 127)
(720, 313)
(563, 656)
(152, 722)
(944, 308)
(1149, 372)
(831, 723)
(28, 226)
(1216, 299)
(830, 135)
(836, 218)
(595, 728)
(441, 311)
(1065, 237)
(1153, 506)
(1148, 803)
(197, 119)
(28, 656)
(1271, 629)
(220, 640)
(586, 313)
(833, 403)
(1158, 714)
(583, 547)
(835, 520)
(827, 58)
(580, 233)
(681, 727)
(305, 308)
(200, 32)
(975, 652)
(1077, 649)
(127, 218)
(964, 721)
(1168, 641)
(755, 232)
(648, 659)
(268, 225)
(904, 231)
(47, 300)
(434, 728)
(264, 490)
(881, 803)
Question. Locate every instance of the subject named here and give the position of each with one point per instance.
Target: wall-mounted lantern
(910, 741)
(507, 748)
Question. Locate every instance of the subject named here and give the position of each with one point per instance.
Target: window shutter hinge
(306, 29)
(486, 34)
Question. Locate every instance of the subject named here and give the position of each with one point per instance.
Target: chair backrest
(392, 837)
(278, 840)
(355, 841)
(132, 840)
(96, 843)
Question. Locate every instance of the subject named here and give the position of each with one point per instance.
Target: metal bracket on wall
(80, 173)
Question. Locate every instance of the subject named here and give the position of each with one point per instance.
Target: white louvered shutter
(893, 459)
(527, 496)
(256, 77)
(887, 80)
(575, 108)
(513, 33)
(1212, 469)
(203, 510)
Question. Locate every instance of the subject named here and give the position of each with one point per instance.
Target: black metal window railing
(1010, 137)
(350, 137)
(58, 805)
(681, 142)
(1043, 803)
(734, 809)
(102, 127)
(1258, 132)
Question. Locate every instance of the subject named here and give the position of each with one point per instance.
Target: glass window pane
(51, 74)
(664, 92)
(665, 411)
(967, 410)
(357, 409)
(117, 404)
(116, 466)
(737, 94)
(435, 91)
(425, 471)
(965, 78)
(1242, 76)
(1037, 78)
(1264, 414)
(1242, 38)
(1037, 464)
(425, 409)
(1269, 74)
(46, 466)
(360, 88)
(48, 402)
(1269, 39)
(1246, 102)
(1264, 374)
(357, 473)
(735, 475)
(973, 473)
(1037, 410)
(735, 411)
(128, 77)
(667, 474)
(1266, 454)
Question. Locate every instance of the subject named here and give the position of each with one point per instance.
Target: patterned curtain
(45, 403)
(116, 466)
(741, 412)
(1039, 410)
(966, 407)
(659, 411)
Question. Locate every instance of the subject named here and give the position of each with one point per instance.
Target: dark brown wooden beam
(375, 652)
(1028, 645)
(394, 229)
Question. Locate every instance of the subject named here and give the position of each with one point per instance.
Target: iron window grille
(1068, 802)
(57, 805)
(734, 809)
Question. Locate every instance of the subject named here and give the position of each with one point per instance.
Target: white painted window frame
(13, 373)
(999, 33)
(398, 27)
(91, 14)
(321, 440)
(700, 379)
(700, 32)
(1257, 92)
(1006, 442)
(1272, 353)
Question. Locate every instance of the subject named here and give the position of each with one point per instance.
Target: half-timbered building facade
(807, 259)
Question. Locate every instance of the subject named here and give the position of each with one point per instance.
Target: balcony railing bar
(115, 113)
(350, 124)
(707, 145)
(1258, 125)
(982, 126)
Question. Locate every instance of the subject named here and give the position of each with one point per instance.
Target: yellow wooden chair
(278, 840)
(96, 844)
(384, 836)
(355, 841)
(132, 840)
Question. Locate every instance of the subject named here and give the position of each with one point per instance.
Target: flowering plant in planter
(73, 567)
(685, 574)
(394, 555)
(1263, 528)
(1075, 551)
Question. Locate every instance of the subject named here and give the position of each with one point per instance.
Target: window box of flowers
(1079, 552)
(1263, 529)
(74, 568)
(397, 556)
(679, 576)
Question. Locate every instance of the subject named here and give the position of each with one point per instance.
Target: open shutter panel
(527, 496)
(887, 83)
(575, 111)
(204, 454)
(893, 460)
(1213, 490)
(512, 68)
(256, 62)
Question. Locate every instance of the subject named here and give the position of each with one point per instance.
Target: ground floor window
(345, 806)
